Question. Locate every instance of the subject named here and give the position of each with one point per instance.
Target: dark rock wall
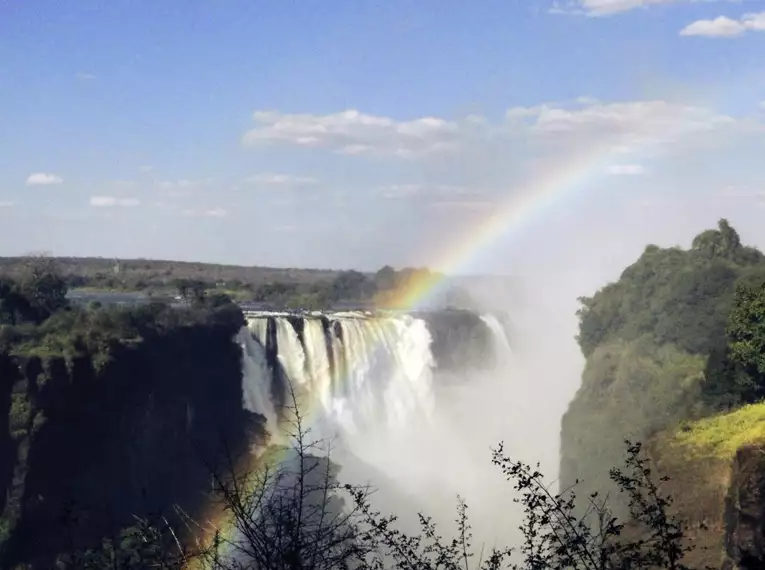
(134, 439)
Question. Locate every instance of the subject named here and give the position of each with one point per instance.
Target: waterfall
(371, 383)
(259, 329)
(501, 342)
(386, 374)
(318, 368)
(364, 371)
(256, 380)
(290, 351)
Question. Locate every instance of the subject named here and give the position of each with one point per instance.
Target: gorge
(112, 414)
(99, 436)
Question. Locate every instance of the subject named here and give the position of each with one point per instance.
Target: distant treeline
(345, 287)
(279, 287)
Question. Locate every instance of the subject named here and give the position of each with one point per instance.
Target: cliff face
(86, 447)
(659, 370)
(745, 511)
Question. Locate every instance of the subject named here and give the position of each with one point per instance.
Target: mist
(444, 451)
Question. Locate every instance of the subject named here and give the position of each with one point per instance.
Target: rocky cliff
(90, 439)
(660, 369)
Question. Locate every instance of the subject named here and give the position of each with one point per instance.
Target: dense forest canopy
(679, 336)
(677, 296)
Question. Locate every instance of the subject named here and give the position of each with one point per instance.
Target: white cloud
(280, 180)
(6, 204)
(84, 76)
(171, 184)
(397, 191)
(145, 168)
(125, 184)
(211, 213)
(462, 205)
(744, 192)
(638, 117)
(216, 213)
(352, 132)
(287, 229)
(623, 126)
(610, 7)
(182, 188)
(113, 201)
(724, 27)
(43, 179)
(626, 169)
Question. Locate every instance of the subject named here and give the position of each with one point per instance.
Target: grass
(720, 436)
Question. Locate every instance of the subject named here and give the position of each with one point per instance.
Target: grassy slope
(649, 339)
(697, 457)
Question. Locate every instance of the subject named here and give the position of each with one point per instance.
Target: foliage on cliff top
(96, 331)
(37, 320)
(721, 435)
(629, 389)
(675, 339)
(678, 296)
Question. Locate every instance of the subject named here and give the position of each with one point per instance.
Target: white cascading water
(256, 380)
(290, 354)
(259, 329)
(501, 343)
(317, 361)
(386, 375)
(391, 422)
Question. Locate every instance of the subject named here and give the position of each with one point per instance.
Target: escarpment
(670, 362)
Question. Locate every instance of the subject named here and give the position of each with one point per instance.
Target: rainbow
(575, 171)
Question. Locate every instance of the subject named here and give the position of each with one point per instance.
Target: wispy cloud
(599, 8)
(125, 184)
(113, 201)
(744, 192)
(398, 191)
(354, 133)
(182, 188)
(170, 184)
(84, 76)
(280, 180)
(623, 125)
(724, 27)
(145, 168)
(210, 213)
(6, 204)
(626, 169)
(463, 205)
(43, 179)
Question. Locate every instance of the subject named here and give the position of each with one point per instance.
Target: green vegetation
(114, 409)
(678, 337)
(287, 509)
(720, 436)
(346, 287)
(280, 288)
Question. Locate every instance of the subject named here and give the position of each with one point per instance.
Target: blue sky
(351, 133)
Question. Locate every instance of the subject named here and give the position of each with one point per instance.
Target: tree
(291, 516)
(555, 537)
(287, 514)
(746, 328)
(191, 290)
(385, 278)
(15, 307)
(44, 286)
(349, 285)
